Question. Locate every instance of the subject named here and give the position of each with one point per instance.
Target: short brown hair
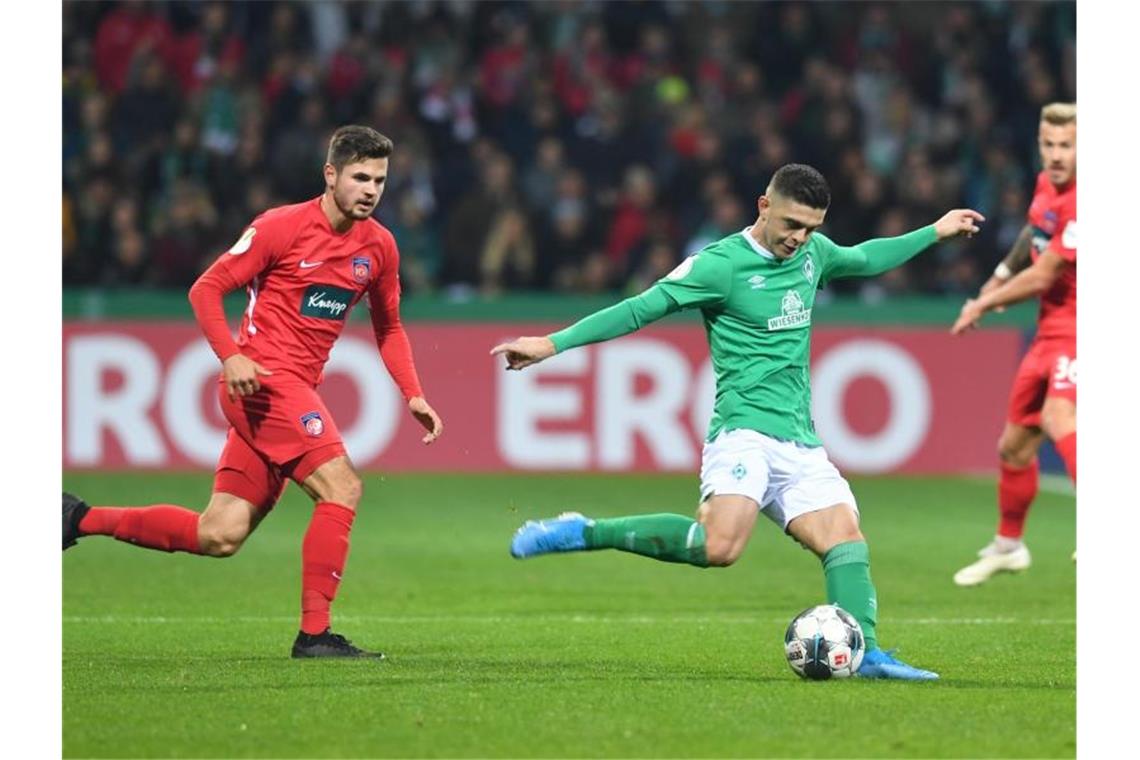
(1059, 114)
(803, 184)
(354, 142)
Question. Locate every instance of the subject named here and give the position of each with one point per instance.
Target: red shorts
(1049, 369)
(282, 431)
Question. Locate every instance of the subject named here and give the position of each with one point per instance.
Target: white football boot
(994, 560)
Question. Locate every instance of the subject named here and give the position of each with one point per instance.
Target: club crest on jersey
(1049, 222)
(794, 313)
(361, 269)
(809, 269)
(313, 423)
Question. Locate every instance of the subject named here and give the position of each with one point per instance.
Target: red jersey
(303, 278)
(1053, 216)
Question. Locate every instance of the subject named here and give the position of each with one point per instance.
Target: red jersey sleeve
(384, 306)
(254, 252)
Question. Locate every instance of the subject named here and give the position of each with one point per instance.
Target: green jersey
(757, 312)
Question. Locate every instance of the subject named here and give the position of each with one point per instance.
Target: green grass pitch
(590, 655)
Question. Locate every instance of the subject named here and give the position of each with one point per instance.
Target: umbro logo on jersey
(310, 264)
(756, 281)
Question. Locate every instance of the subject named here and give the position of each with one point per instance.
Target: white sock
(1005, 544)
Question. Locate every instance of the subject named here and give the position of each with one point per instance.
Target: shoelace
(340, 641)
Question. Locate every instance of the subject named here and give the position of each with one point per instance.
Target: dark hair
(802, 184)
(357, 143)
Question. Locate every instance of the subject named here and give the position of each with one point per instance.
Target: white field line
(515, 619)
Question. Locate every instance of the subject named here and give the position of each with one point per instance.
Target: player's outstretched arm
(874, 257)
(614, 321)
(1027, 284)
(525, 351)
(701, 280)
(960, 221)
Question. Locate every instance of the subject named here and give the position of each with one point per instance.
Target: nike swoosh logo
(310, 265)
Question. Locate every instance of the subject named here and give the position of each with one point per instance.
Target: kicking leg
(833, 535)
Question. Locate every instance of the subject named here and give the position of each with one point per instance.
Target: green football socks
(667, 537)
(847, 573)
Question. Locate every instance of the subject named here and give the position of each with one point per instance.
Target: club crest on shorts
(313, 423)
(361, 269)
(739, 471)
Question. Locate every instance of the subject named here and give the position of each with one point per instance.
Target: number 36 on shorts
(1065, 372)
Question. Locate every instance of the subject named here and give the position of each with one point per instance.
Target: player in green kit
(755, 290)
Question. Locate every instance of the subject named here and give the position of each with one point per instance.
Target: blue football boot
(880, 664)
(565, 533)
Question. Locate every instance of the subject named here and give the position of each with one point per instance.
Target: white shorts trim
(787, 479)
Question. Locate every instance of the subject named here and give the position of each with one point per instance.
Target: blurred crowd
(566, 146)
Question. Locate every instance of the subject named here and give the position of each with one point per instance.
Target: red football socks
(165, 527)
(1017, 487)
(323, 554)
(1067, 448)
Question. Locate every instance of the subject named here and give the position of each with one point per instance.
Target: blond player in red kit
(1043, 401)
(305, 266)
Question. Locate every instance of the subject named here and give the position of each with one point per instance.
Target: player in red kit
(1043, 402)
(305, 266)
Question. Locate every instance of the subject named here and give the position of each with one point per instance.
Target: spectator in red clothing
(199, 54)
(581, 69)
(346, 76)
(505, 67)
(631, 218)
(123, 33)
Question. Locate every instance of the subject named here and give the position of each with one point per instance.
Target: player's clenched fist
(242, 375)
(523, 352)
(960, 221)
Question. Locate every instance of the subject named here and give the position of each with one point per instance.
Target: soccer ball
(824, 642)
